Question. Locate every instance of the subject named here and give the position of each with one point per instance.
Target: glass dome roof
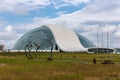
(44, 36)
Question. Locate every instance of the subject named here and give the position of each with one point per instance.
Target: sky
(94, 19)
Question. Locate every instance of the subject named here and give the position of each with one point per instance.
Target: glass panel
(85, 42)
(41, 36)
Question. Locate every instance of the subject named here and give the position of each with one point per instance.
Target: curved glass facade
(43, 36)
(85, 42)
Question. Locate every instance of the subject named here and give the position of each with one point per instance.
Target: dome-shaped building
(62, 39)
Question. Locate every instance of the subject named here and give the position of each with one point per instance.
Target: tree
(51, 55)
(37, 46)
(25, 48)
(51, 42)
(29, 47)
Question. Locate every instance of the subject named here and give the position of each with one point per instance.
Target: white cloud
(61, 3)
(104, 10)
(1, 24)
(8, 33)
(110, 28)
(22, 6)
(8, 36)
(61, 13)
(117, 33)
(75, 2)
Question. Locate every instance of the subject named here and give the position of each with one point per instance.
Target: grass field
(69, 66)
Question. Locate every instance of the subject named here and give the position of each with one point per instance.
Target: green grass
(71, 66)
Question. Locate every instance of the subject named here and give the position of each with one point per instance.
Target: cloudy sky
(90, 18)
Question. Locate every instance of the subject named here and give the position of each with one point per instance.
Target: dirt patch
(92, 78)
(2, 64)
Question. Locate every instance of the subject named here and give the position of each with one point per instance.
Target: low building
(100, 50)
(2, 47)
(117, 50)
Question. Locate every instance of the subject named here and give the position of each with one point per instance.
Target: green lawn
(69, 66)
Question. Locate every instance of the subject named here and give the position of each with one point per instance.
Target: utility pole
(107, 42)
(102, 39)
(97, 41)
(102, 42)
